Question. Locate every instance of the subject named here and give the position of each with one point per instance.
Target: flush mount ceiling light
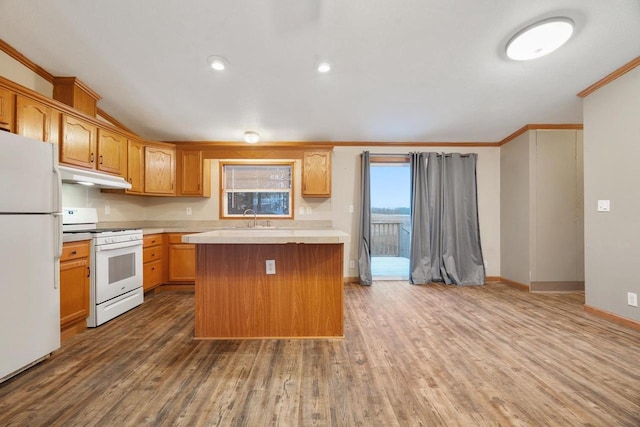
(324, 67)
(218, 63)
(540, 38)
(251, 137)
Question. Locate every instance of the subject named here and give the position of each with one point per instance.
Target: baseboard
(514, 284)
(612, 317)
(72, 329)
(567, 286)
(172, 287)
(352, 279)
(492, 279)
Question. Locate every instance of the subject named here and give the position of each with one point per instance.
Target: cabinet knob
(88, 271)
(153, 268)
(92, 157)
(100, 159)
(74, 252)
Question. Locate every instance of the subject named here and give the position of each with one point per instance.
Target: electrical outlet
(188, 211)
(350, 208)
(632, 299)
(309, 211)
(352, 264)
(107, 210)
(271, 266)
(301, 210)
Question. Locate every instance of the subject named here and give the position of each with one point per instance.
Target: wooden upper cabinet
(159, 170)
(74, 93)
(33, 119)
(135, 166)
(7, 104)
(316, 174)
(112, 152)
(194, 174)
(77, 142)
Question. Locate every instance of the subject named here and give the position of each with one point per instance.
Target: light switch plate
(604, 205)
(632, 299)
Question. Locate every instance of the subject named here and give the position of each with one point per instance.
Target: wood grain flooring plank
(412, 356)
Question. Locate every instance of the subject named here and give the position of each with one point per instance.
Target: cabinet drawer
(75, 250)
(151, 275)
(152, 240)
(153, 253)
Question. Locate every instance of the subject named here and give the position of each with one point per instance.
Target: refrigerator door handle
(57, 248)
(57, 191)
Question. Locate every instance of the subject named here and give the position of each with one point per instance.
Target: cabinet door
(77, 142)
(74, 290)
(159, 170)
(194, 174)
(151, 275)
(7, 103)
(316, 174)
(182, 262)
(135, 166)
(112, 152)
(190, 178)
(33, 119)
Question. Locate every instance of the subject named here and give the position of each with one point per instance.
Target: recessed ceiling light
(324, 67)
(218, 63)
(251, 137)
(540, 38)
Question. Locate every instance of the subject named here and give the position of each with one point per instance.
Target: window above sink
(265, 188)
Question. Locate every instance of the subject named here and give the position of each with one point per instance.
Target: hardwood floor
(411, 356)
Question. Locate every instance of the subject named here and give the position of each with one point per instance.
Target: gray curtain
(420, 252)
(445, 240)
(364, 249)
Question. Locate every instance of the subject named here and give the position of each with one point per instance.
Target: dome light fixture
(324, 67)
(540, 39)
(251, 137)
(218, 63)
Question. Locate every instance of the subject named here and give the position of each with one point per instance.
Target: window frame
(223, 193)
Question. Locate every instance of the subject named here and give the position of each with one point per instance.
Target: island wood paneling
(235, 298)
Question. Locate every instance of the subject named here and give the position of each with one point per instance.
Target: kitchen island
(269, 283)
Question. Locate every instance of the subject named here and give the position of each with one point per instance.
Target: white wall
(514, 209)
(346, 192)
(612, 172)
(15, 71)
(542, 209)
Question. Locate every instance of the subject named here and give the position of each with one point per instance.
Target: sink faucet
(254, 217)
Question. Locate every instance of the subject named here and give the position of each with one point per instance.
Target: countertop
(267, 236)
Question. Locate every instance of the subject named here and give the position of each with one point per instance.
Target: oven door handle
(112, 246)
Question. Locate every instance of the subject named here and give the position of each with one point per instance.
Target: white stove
(116, 265)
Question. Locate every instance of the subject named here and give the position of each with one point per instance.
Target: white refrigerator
(30, 249)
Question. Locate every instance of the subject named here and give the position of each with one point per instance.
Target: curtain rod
(407, 154)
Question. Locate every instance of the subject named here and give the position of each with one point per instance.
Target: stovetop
(101, 230)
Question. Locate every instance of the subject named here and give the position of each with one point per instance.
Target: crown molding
(611, 77)
(540, 126)
(12, 52)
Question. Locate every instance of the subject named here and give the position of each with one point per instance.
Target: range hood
(87, 177)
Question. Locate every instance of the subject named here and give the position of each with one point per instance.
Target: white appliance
(30, 249)
(116, 265)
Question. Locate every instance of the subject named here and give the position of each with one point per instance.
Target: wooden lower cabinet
(152, 260)
(74, 287)
(182, 260)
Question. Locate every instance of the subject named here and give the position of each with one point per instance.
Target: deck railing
(390, 239)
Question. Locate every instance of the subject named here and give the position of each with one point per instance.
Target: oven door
(118, 269)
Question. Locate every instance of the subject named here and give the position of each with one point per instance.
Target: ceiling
(403, 71)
